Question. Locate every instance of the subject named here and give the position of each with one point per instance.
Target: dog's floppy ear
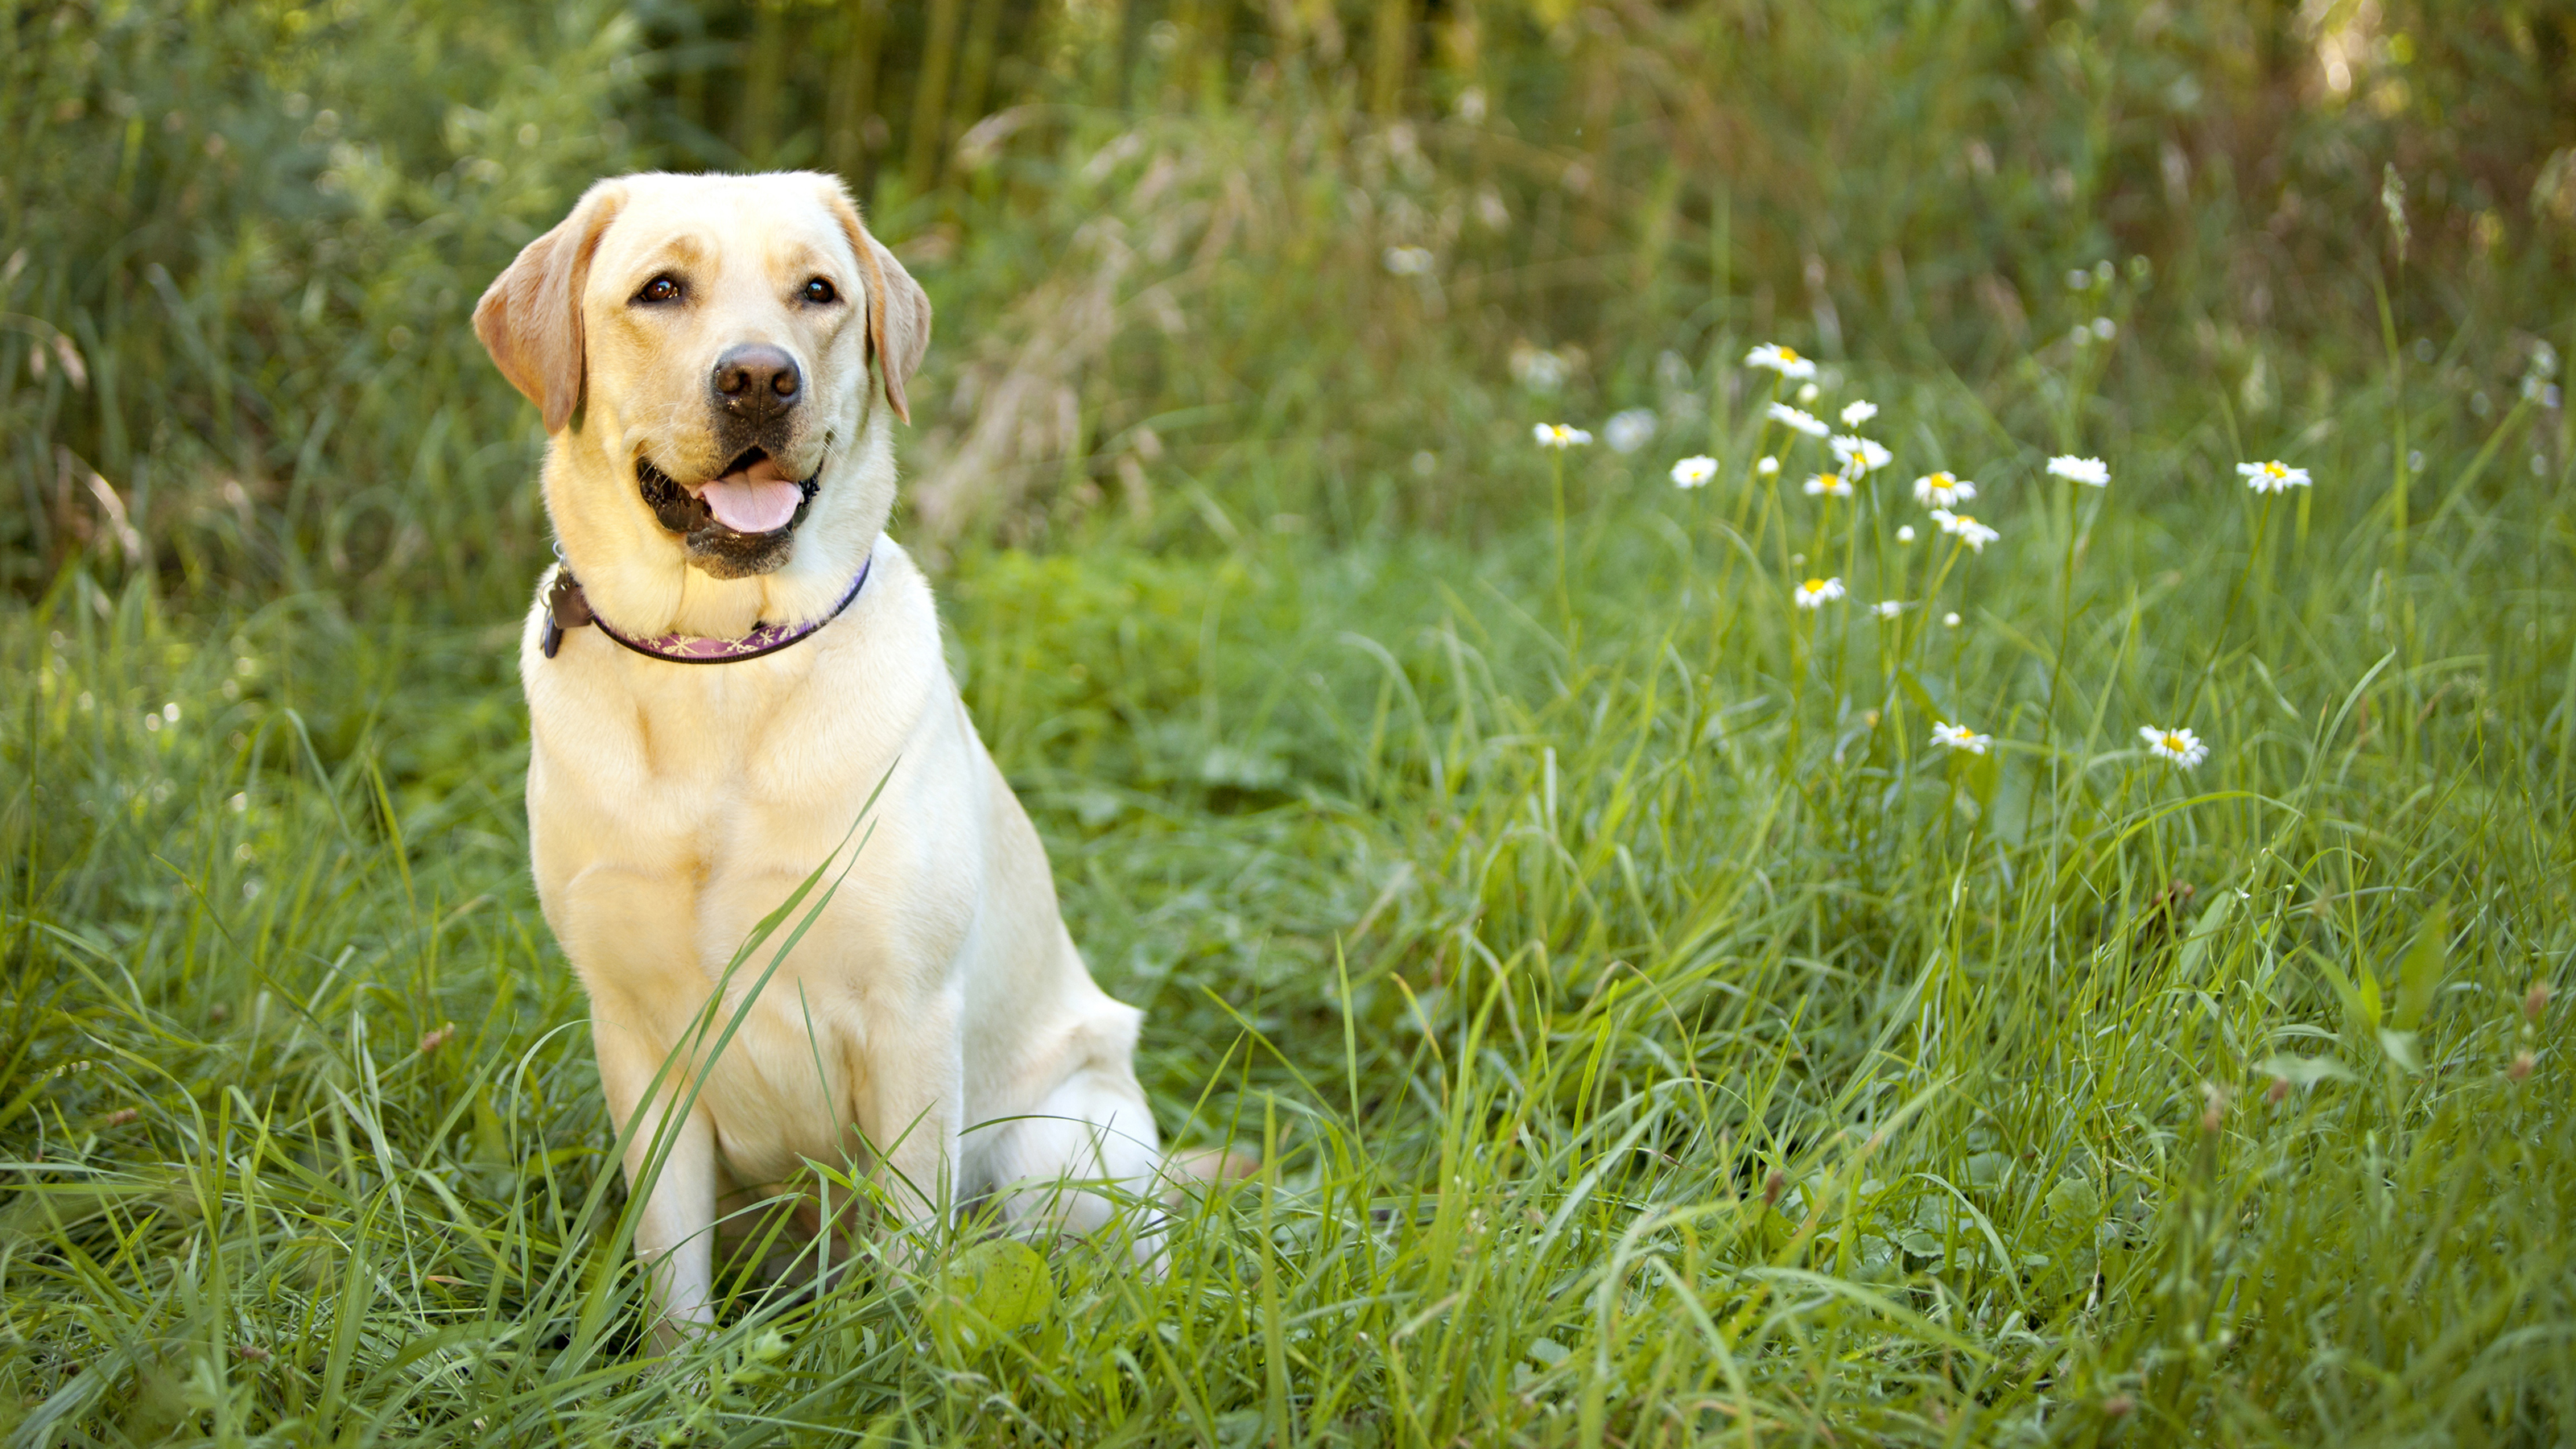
(530, 317)
(898, 310)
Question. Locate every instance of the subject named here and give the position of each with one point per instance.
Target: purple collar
(568, 608)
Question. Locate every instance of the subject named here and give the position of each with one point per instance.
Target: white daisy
(2091, 472)
(1959, 737)
(1950, 621)
(1817, 592)
(2180, 746)
(1805, 422)
(1768, 467)
(1559, 436)
(1828, 485)
(1859, 413)
(1630, 430)
(1782, 360)
(1965, 528)
(2273, 477)
(1940, 490)
(1905, 533)
(1888, 608)
(1810, 393)
(1694, 472)
(1860, 456)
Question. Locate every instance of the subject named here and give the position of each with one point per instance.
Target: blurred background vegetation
(1179, 248)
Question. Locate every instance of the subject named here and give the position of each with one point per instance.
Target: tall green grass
(1647, 1036)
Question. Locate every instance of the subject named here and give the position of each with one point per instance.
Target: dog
(731, 658)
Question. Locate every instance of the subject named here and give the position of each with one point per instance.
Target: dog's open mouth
(753, 495)
(738, 522)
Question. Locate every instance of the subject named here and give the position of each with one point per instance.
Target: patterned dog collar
(568, 608)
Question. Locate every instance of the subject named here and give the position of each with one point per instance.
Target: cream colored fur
(936, 1025)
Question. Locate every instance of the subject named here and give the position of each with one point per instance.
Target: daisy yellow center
(1814, 586)
(2174, 742)
(2276, 470)
(1788, 354)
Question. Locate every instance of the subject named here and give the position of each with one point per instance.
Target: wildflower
(2091, 472)
(1888, 608)
(1768, 467)
(1940, 490)
(2105, 328)
(1950, 620)
(2273, 477)
(1408, 261)
(119, 1117)
(437, 1037)
(1965, 528)
(1860, 455)
(1810, 393)
(1559, 436)
(1630, 430)
(1804, 422)
(2178, 745)
(2535, 1003)
(1694, 472)
(1859, 413)
(1829, 485)
(1815, 593)
(2521, 1065)
(1782, 360)
(1959, 737)
(1905, 533)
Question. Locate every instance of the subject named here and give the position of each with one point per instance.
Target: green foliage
(1647, 1035)
(243, 243)
(1643, 1033)
(240, 242)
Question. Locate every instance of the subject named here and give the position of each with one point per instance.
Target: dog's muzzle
(712, 547)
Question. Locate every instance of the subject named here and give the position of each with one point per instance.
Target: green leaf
(2421, 970)
(995, 1288)
(2195, 948)
(2074, 1202)
(2367, 985)
(2400, 1046)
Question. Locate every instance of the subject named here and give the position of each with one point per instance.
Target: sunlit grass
(1649, 1033)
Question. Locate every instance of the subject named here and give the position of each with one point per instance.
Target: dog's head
(705, 345)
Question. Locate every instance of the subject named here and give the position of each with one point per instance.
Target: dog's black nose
(756, 380)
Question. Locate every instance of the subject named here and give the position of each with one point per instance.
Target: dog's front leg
(670, 1162)
(913, 1106)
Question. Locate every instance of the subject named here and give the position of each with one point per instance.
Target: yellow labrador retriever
(731, 658)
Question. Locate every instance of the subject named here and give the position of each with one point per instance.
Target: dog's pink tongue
(756, 500)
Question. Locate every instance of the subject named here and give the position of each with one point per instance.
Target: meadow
(1703, 954)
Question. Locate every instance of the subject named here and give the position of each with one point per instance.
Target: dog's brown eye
(660, 289)
(819, 290)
